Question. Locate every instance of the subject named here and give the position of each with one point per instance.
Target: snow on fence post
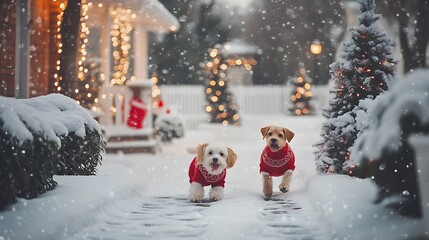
(421, 147)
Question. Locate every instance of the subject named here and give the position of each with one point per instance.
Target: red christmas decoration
(138, 112)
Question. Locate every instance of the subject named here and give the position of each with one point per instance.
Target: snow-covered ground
(144, 196)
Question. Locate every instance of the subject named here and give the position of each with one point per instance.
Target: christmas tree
(301, 94)
(363, 71)
(221, 102)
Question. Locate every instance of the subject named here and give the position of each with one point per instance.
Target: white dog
(209, 168)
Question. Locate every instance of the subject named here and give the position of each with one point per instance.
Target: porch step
(119, 131)
(145, 146)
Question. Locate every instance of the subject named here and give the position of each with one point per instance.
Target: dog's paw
(268, 195)
(216, 194)
(196, 199)
(214, 199)
(268, 191)
(267, 186)
(196, 193)
(284, 188)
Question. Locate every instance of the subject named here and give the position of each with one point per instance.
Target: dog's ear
(264, 131)
(200, 153)
(289, 134)
(231, 158)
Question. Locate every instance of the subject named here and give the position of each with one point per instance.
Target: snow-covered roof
(156, 17)
(150, 13)
(239, 47)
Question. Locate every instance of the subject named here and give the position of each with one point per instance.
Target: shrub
(383, 152)
(80, 156)
(26, 169)
(41, 137)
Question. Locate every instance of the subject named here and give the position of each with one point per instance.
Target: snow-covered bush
(169, 126)
(43, 136)
(26, 168)
(383, 152)
(80, 156)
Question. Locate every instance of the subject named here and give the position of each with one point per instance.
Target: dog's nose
(214, 159)
(273, 140)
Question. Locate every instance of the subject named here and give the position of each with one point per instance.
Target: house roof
(151, 13)
(239, 47)
(156, 17)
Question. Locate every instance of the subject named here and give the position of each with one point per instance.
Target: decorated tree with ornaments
(222, 105)
(363, 71)
(301, 95)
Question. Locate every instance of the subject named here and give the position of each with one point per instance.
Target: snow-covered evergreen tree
(364, 69)
(301, 95)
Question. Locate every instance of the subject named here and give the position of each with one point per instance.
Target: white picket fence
(255, 101)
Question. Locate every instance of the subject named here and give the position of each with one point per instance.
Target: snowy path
(161, 209)
(166, 217)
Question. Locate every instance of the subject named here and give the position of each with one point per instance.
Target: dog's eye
(210, 153)
(270, 134)
(280, 135)
(221, 154)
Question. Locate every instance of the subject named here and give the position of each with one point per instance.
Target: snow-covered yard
(145, 196)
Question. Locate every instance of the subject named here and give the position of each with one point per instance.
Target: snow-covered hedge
(383, 151)
(43, 136)
(168, 126)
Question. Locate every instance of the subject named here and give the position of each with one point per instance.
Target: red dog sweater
(197, 173)
(277, 163)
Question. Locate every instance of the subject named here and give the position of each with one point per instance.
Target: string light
(89, 76)
(120, 35)
(84, 32)
(156, 92)
(59, 45)
(82, 72)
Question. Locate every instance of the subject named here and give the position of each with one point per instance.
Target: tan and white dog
(209, 168)
(277, 159)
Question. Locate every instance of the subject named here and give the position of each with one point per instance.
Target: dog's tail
(191, 150)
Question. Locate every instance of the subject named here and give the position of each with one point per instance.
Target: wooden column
(22, 55)
(140, 52)
(39, 31)
(106, 46)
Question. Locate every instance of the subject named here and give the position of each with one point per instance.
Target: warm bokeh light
(316, 47)
(121, 41)
(59, 44)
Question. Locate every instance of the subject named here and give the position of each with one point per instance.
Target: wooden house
(30, 48)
